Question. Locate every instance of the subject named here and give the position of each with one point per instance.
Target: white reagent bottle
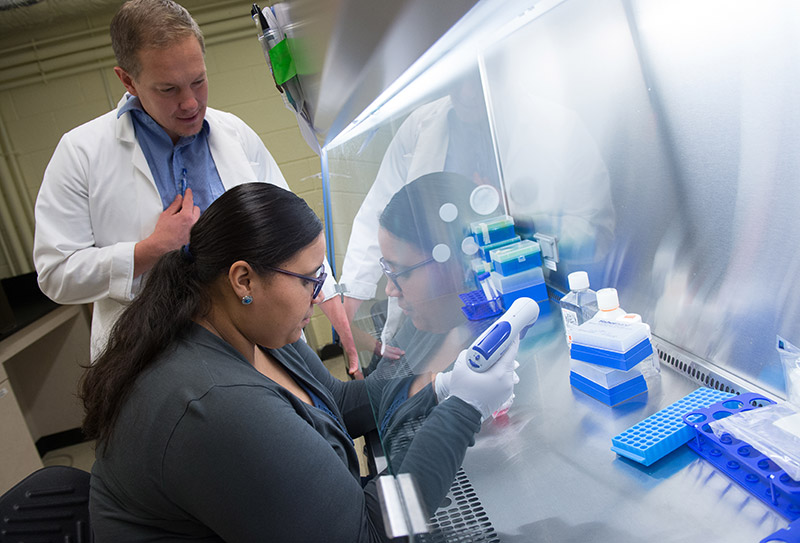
(579, 304)
(608, 306)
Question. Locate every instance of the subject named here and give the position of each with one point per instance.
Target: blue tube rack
(477, 307)
(663, 432)
(741, 461)
(790, 534)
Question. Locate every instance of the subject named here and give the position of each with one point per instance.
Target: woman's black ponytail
(259, 223)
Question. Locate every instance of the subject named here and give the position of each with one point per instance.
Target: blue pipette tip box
(493, 230)
(604, 357)
(663, 432)
(516, 257)
(609, 396)
(485, 250)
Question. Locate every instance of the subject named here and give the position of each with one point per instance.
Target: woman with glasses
(214, 421)
(421, 235)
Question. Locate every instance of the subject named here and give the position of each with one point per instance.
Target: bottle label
(570, 317)
(570, 321)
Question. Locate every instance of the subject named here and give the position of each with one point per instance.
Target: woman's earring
(247, 299)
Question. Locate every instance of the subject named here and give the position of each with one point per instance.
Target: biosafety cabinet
(654, 145)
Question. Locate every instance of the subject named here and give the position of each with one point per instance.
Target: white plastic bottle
(608, 305)
(579, 304)
(650, 365)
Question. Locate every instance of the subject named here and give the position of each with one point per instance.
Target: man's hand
(171, 232)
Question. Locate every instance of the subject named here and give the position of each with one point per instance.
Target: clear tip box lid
(611, 336)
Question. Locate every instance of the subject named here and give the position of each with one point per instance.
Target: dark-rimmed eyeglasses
(393, 275)
(316, 281)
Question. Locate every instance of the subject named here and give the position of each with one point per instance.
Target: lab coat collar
(229, 157)
(225, 145)
(430, 151)
(124, 128)
(125, 133)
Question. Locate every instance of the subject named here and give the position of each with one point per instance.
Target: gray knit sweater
(206, 448)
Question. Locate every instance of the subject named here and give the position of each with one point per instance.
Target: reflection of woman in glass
(421, 234)
(449, 134)
(215, 421)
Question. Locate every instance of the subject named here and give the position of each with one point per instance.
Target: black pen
(260, 20)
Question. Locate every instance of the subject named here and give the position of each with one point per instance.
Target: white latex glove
(488, 391)
(507, 404)
(441, 385)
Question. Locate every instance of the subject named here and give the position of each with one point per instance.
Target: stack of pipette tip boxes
(507, 266)
(606, 357)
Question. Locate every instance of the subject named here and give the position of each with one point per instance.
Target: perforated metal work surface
(461, 518)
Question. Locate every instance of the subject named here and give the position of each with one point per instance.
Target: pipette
(493, 342)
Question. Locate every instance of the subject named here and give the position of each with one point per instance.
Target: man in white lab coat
(126, 187)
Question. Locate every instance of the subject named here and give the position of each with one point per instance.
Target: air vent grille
(697, 370)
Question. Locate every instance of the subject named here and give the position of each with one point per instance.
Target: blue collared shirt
(176, 167)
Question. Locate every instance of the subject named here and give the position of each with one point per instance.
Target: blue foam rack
(663, 432)
(739, 460)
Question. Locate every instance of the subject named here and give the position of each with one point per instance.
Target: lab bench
(546, 471)
(41, 361)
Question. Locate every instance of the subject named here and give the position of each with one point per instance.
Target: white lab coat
(98, 199)
(418, 148)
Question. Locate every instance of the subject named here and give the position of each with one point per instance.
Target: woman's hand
(488, 391)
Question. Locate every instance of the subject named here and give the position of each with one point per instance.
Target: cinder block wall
(36, 111)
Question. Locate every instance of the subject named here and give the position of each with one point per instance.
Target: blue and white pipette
(493, 342)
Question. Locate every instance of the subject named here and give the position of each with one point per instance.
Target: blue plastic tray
(609, 396)
(739, 460)
(663, 432)
(612, 359)
(790, 534)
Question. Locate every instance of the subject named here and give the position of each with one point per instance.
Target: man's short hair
(145, 24)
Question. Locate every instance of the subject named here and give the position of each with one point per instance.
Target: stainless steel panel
(349, 51)
(669, 169)
(655, 141)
